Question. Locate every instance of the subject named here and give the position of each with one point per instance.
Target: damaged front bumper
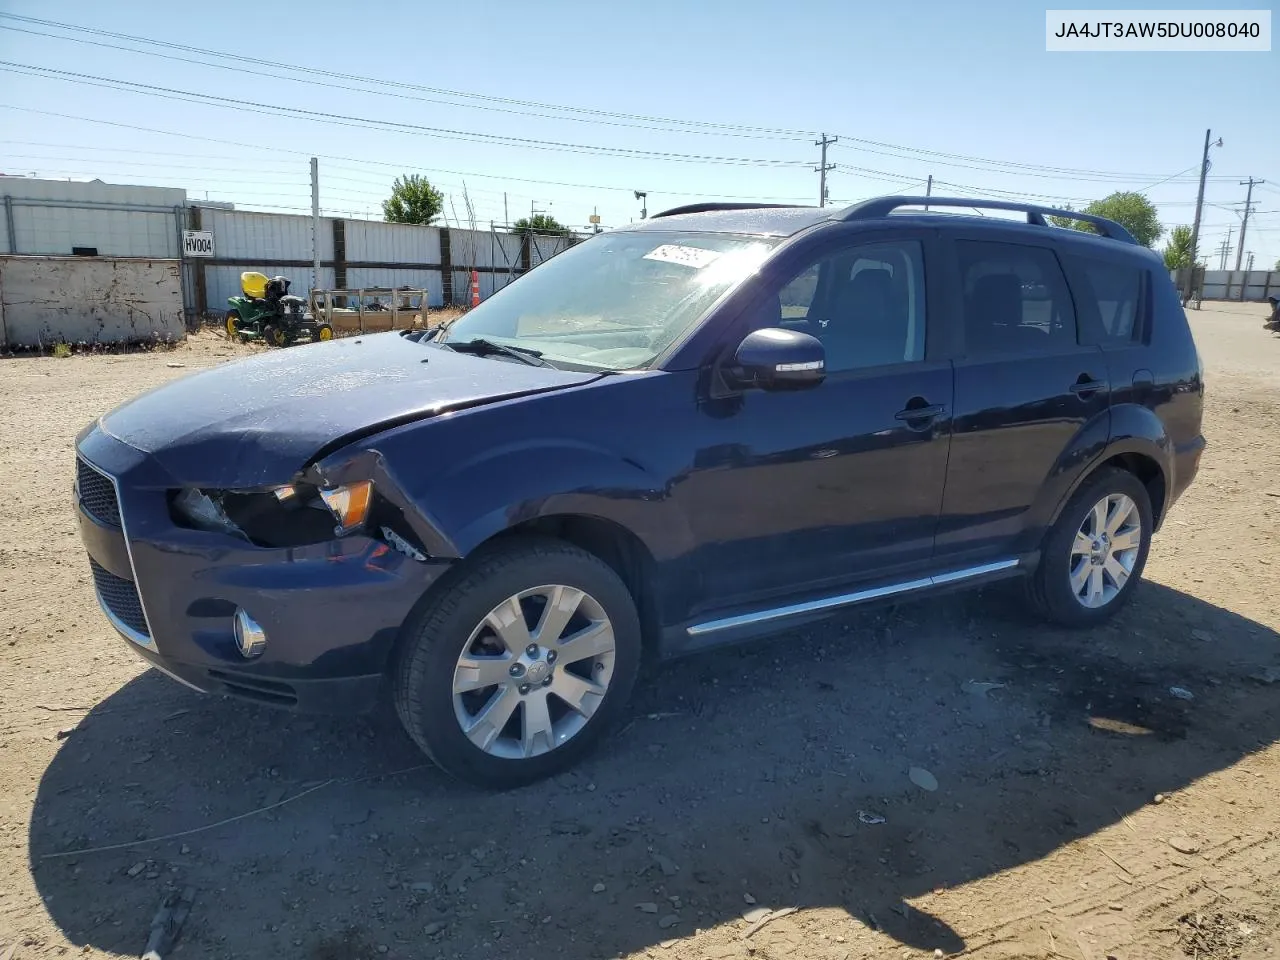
(330, 611)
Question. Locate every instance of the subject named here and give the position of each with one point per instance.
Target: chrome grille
(120, 597)
(97, 493)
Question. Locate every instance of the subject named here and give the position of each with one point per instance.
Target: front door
(1026, 387)
(811, 490)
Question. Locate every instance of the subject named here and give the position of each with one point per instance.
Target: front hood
(259, 420)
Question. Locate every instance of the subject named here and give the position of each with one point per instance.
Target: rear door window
(1016, 299)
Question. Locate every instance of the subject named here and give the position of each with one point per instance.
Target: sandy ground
(1081, 810)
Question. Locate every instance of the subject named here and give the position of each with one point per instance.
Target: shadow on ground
(747, 773)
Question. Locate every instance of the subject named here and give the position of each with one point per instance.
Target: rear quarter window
(1110, 298)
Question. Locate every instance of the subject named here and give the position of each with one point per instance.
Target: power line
(393, 126)
(243, 70)
(379, 163)
(602, 116)
(460, 94)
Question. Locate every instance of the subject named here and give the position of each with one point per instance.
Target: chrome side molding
(848, 599)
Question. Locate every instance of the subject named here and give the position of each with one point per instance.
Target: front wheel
(324, 332)
(515, 670)
(233, 324)
(1094, 555)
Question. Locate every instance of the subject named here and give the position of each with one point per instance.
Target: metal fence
(52, 218)
(359, 254)
(1239, 285)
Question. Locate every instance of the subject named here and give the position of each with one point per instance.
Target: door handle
(920, 413)
(1085, 387)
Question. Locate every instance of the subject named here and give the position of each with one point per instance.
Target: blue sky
(893, 81)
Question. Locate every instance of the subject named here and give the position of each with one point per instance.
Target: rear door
(1025, 388)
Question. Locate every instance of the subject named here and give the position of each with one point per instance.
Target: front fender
(517, 482)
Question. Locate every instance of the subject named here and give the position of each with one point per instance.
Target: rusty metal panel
(90, 300)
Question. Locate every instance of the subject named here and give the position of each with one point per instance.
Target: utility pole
(315, 223)
(928, 189)
(1249, 268)
(506, 214)
(1195, 229)
(1248, 207)
(1224, 249)
(823, 167)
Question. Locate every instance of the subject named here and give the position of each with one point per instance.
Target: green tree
(541, 223)
(413, 200)
(1278, 265)
(1177, 252)
(1133, 211)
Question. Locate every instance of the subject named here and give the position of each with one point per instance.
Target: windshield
(615, 301)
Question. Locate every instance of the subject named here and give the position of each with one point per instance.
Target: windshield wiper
(481, 346)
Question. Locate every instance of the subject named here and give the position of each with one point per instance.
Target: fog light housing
(251, 639)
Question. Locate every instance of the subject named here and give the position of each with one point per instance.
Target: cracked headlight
(205, 513)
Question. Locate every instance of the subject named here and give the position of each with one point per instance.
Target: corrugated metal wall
(1226, 284)
(266, 236)
(56, 230)
(369, 241)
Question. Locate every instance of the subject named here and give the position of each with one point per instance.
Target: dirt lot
(1081, 809)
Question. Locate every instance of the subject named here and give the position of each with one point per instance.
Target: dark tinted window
(1015, 299)
(865, 303)
(1112, 293)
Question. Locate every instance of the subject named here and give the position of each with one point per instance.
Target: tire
(1052, 590)
(232, 324)
(324, 332)
(275, 336)
(428, 673)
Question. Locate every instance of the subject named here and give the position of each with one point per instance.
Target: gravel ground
(1070, 805)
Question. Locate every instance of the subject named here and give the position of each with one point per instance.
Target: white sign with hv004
(197, 243)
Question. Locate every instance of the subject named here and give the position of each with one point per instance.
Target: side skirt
(705, 634)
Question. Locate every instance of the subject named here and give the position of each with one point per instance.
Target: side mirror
(777, 359)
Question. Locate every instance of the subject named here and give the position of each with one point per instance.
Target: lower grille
(97, 493)
(120, 598)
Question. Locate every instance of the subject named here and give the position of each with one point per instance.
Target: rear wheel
(1094, 555)
(233, 324)
(514, 671)
(275, 335)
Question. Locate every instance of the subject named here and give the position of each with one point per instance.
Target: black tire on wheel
(436, 635)
(1049, 589)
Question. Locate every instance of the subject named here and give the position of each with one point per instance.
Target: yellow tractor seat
(254, 285)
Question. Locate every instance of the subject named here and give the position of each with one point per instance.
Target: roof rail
(883, 206)
(709, 207)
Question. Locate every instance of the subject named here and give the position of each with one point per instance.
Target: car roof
(775, 220)
(762, 220)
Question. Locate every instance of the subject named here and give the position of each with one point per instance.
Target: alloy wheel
(1105, 549)
(534, 671)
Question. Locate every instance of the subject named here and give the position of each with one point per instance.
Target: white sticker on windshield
(695, 257)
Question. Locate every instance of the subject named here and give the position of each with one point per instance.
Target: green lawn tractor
(267, 312)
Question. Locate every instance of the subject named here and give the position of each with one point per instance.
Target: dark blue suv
(718, 423)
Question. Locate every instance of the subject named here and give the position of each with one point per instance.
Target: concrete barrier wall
(88, 300)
